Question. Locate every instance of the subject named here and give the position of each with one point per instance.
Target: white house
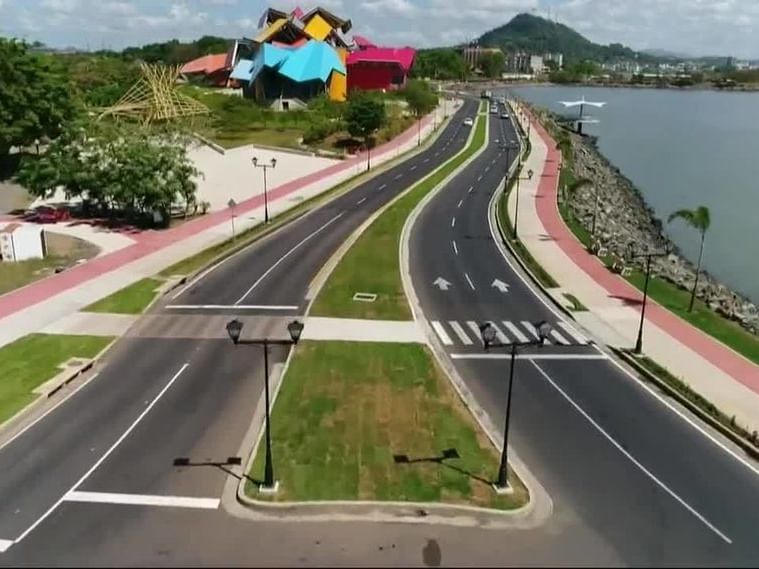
(20, 242)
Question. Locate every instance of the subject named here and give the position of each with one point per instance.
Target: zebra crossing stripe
(531, 329)
(460, 333)
(502, 338)
(559, 338)
(516, 331)
(441, 333)
(574, 333)
(475, 328)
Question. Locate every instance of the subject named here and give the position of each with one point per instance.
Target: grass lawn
(129, 300)
(345, 409)
(283, 138)
(32, 360)
(676, 300)
(372, 264)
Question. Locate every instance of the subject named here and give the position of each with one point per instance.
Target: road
(178, 388)
(613, 456)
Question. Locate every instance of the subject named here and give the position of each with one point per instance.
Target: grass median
(372, 265)
(30, 361)
(132, 299)
(347, 410)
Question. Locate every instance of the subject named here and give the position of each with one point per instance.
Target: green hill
(537, 35)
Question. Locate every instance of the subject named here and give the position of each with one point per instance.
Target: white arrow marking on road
(441, 283)
(500, 285)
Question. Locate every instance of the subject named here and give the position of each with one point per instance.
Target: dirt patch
(13, 197)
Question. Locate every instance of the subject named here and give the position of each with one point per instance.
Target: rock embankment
(623, 217)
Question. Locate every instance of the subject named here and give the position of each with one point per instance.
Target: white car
(468, 122)
(505, 116)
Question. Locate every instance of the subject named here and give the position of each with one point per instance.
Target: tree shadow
(223, 466)
(447, 454)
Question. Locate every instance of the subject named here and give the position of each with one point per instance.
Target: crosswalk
(452, 332)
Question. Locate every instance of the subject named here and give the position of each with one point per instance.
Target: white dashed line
(453, 222)
(471, 284)
(362, 200)
(455, 248)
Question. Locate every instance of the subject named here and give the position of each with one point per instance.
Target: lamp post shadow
(221, 465)
(447, 454)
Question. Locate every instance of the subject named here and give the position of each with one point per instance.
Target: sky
(690, 27)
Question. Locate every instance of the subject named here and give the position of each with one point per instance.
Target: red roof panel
(402, 56)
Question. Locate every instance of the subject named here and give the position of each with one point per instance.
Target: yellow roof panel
(270, 31)
(318, 28)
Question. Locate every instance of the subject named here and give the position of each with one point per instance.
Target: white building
(19, 242)
(536, 64)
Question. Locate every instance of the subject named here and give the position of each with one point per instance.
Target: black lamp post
(294, 328)
(516, 206)
(265, 167)
(489, 333)
(508, 147)
(633, 254)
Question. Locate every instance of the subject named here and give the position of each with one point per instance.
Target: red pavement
(151, 241)
(718, 354)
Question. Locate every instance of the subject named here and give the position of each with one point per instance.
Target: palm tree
(700, 220)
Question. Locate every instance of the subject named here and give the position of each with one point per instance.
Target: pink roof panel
(403, 56)
(207, 64)
(363, 42)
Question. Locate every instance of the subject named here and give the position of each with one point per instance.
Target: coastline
(501, 84)
(624, 216)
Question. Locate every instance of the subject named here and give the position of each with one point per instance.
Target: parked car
(468, 121)
(47, 214)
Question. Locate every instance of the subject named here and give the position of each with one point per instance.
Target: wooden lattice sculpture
(155, 98)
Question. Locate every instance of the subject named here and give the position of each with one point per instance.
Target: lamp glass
(273, 162)
(295, 328)
(255, 161)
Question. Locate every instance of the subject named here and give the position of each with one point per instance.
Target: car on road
(505, 116)
(468, 121)
(493, 110)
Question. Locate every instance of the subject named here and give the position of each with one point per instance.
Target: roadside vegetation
(133, 299)
(30, 361)
(372, 265)
(347, 411)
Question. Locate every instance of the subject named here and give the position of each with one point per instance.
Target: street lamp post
(265, 167)
(294, 328)
(632, 254)
(508, 147)
(489, 333)
(516, 206)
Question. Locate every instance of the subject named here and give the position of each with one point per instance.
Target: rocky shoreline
(623, 217)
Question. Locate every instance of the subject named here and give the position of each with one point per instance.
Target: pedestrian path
(467, 333)
(712, 369)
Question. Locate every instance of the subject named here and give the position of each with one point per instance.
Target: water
(683, 149)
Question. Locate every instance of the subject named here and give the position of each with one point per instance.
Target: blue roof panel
(314, 61)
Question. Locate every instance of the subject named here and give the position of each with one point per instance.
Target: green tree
(700, 220)
(441, 63)
(493, 64)
(34, 100)
(421, 100)
(119, 167)
(364, 115)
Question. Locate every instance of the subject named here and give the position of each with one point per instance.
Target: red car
(47, 214)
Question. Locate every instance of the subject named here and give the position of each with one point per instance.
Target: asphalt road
(613, 457)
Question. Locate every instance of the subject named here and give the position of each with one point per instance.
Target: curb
(540, 504)
(630, 360)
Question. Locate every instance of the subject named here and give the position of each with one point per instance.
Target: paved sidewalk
(714, 370)
(355, 330)
(44, 302)
(92, 324)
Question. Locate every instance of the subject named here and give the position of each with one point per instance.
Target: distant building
(19, 242)
(556, 58)
(537, 66)
(473, 54)
(378, 68)
(518, 62)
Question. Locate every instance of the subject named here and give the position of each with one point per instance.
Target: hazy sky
(701, 27)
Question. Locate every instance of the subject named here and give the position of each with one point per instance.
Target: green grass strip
(346, 408)
(30, 361)
(372, 264)
(132, 299)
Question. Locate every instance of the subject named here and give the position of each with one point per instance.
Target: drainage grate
(364, 297)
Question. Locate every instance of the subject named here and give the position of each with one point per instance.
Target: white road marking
(437, 153)
(412, 168)
(502, 338)
(425, 160)
(143, 500)
(479, 178)
(46, 413)
(475, 328)
(631, 458)
(105, 455)
(397, 177)
(453, 222)
(382, 187)
(441, 333)
(504, 356)
(471, 284)
(459, 205)
(5, 544)
(487, 168)
(460, 332)
(455, 248)
(231, 307)
(531, 329)
(516, 331)
(471, 189)
(559, 338)
(574, 333)
(286, 255)
(362, 200)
